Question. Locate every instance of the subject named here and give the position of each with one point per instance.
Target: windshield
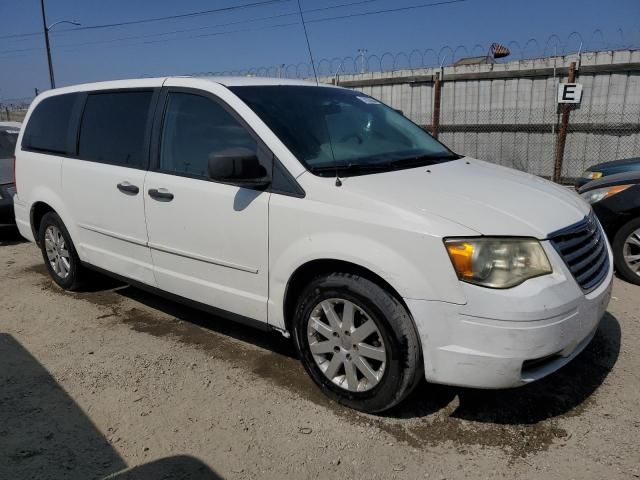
(8, 139)
(338, 130)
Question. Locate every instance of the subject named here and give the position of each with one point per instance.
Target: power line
(227, 24)
(172, 32)
(389, 10)
(185, 30)
(184, 15)
(156, 19)
(19, 35)
(338, 17)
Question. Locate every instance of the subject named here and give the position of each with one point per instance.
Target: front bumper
(508, 338)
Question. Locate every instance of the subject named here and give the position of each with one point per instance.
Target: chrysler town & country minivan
(322, 213)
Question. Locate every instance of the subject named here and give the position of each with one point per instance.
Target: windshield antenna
(304, 26)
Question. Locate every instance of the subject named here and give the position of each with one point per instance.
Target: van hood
(485, 197)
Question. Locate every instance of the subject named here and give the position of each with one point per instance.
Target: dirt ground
(118, 383)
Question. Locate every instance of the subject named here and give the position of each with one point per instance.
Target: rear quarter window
(113, 128)
(48, 126)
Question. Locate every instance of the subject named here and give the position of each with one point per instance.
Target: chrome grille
(583, 247)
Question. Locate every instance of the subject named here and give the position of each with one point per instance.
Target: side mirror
(238, 166)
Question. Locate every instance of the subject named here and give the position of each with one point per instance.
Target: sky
(242, 38)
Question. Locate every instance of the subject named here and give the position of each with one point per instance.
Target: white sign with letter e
(569, 93)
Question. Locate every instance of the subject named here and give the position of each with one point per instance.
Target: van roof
(158, 81)
(242, 81)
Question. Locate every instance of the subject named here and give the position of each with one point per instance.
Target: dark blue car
(609, 168)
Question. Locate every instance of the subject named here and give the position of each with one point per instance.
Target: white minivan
(322, 213)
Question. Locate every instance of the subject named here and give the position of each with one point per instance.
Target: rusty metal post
(563, 130)
(435, 121)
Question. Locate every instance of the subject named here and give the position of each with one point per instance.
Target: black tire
(618, 246)
(76, 273)
(404, 367)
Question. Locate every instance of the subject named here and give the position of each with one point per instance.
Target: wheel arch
(38, 210)
(622, 221)
(313, 268)
(43, 200)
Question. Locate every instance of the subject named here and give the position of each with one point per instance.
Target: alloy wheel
(631, 251)
(346, 344)
(57, 252)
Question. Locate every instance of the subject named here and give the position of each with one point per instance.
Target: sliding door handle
(128, 188)
(161, 194)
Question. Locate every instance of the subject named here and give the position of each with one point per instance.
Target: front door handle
(161, 194)
(128, 188)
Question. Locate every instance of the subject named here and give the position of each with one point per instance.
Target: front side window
(330, 129)
(48, 126)
(196, 129)
(113, 128)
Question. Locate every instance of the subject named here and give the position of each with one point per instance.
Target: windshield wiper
(422, 160)
(352, 168)
(356, 168)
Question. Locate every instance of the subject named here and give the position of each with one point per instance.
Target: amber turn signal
(461, 254)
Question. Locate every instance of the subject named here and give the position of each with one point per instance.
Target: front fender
(396, 262)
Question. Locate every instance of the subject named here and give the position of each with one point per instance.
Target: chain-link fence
(596, 136)
(527, 139)
(509, 137)
(14, 109)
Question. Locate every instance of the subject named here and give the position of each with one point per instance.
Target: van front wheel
(58, 252)
(357, 342)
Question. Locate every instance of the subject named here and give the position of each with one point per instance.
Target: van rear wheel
(357, 342)
(58, 252)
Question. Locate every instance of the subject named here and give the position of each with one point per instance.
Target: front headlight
(497, 262)
(593, 196)
(592, 175)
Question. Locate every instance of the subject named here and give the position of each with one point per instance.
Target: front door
(208, 240)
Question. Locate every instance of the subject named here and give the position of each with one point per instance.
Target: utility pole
(46, 42)
(437, 95)
(46, 28)
(563, 130)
